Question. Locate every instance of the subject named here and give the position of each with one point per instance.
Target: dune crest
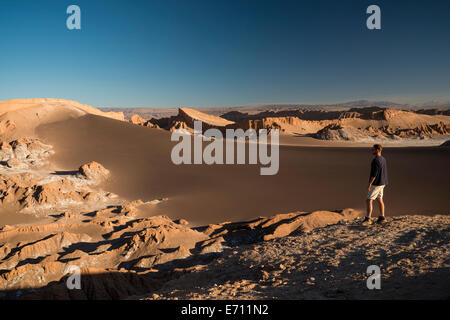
(20, 117)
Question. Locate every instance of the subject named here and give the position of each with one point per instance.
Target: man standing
(377, 181)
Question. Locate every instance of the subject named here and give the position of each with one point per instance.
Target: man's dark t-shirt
(378, 170)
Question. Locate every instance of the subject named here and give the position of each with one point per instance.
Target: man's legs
(381, 205)
(369, 207)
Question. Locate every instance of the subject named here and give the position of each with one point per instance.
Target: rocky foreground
(318, 255)
(330, 263)
(120, 255)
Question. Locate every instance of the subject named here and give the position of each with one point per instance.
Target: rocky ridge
(331, 262)
(354, 124)
(154, 250)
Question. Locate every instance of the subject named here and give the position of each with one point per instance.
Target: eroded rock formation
(24, 153)
(154, 250)
(355, 124)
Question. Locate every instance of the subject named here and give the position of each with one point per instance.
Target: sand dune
(310, 178)
(20, 117)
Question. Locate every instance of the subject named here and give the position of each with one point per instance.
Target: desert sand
(310, 178)
(92, 189)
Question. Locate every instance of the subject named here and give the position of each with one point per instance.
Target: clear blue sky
(164, 53)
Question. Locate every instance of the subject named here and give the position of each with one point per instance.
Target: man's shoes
(381, 220)
(367, 221)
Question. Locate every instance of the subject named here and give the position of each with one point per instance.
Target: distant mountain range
(148, 113)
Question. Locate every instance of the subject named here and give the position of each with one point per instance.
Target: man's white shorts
(376, 192)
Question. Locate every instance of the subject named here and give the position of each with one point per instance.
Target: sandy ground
(10, 216)
(330, 263)
(310, 178)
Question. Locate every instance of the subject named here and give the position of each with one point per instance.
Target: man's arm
(374, 172)
(372, 179)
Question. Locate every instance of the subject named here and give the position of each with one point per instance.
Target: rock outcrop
(338, 132)
(93, 171)
(185, 120)
(44, 192)
(31, 194)
(354, 124)
(24, 153)
(149, 251)
(328, 263)
(276, 226)
(137, 119)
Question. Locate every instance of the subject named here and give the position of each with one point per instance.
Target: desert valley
(97, 189)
